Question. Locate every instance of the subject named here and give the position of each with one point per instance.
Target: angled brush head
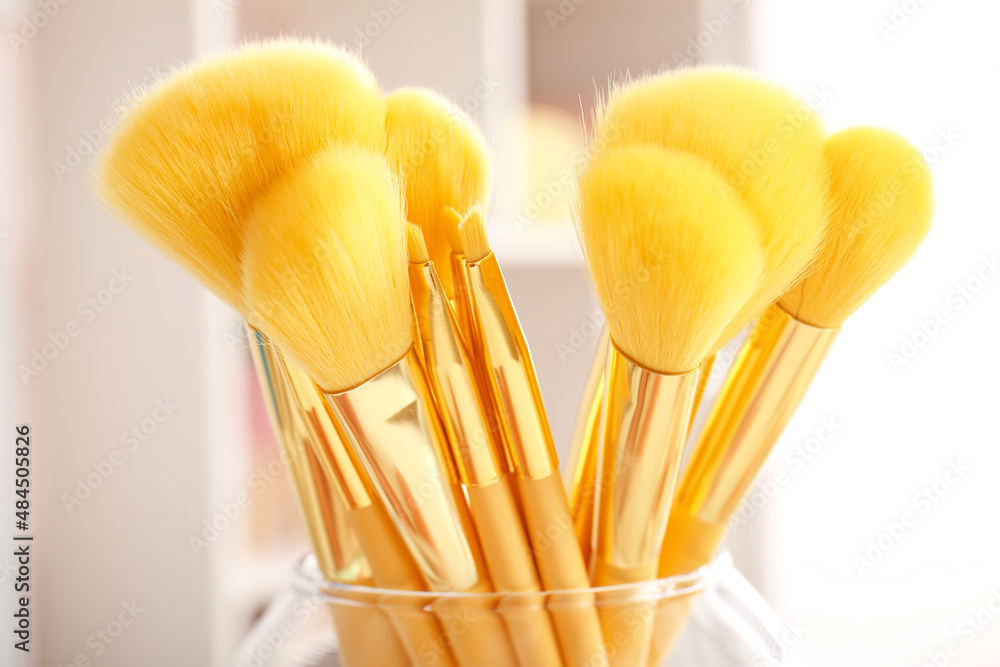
(766, 142)
(325, 267)
(415, 246)
(450, 222)
(442, 160)
(472, 231)
(672, 251)
(882, 199)
(192, 154)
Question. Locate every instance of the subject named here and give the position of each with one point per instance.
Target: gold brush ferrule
(466, 324)
(450, 375)
(329, 441)
(581, 469)
(767, 383)
(461, 299)
(500, 341)
(645, 426)
(580, 476)
(393, 428)
(334, 542)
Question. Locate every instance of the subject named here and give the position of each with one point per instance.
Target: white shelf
(550, 244)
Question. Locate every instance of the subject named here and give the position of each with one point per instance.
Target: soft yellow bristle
(193, 153)
(441, 159)
(450, 221)
(415, 246)
(672, 250)
(475, 243)
(766, 142)
(882, 200)
(325, 267)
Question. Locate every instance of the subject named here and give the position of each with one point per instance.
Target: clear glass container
(709, 618)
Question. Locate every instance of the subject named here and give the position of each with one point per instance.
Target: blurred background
(901, 418)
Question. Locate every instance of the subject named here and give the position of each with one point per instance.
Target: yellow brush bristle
(325, 267)
(672, 250)
(441, 159)
(882, 201)
(415, 246)
(472, 231)
(450, 222)
(766, 142)
(193, 153)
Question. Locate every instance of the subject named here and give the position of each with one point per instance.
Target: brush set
(346, 226)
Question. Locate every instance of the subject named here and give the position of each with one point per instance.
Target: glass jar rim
(308, 580)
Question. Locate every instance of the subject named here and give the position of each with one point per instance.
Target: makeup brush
(764, 141)
(497, 339)
(442, 161)
(336, 515)
(217, 133)
(494, 510)
(325, 273)
(673, 254)
(200, 145)
(881, 201)
(581, 471)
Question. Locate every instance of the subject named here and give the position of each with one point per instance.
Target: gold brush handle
(394, 569)
(691, 544)
(561, 567)
(475, 630)
(581, 475)
(513, 570)
(646, 419)
(768, 381)
(334, 543)
(365, 633)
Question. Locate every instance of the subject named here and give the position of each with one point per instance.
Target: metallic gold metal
(329, 441)
(391, 424)
(645, 426)
(466, 324)
(646, 418)
(581, 473)
(703, 376)
(767, 383)
(461, 298)
(450, 376)
(393, 568)
(494, 512)
(498, 337)
(334, 542)
(561, 567)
